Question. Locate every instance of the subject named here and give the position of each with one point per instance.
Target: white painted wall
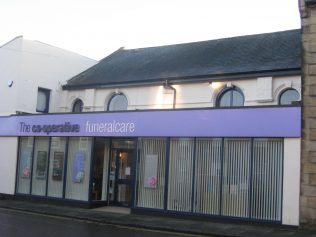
(257, 92)
(32, 64)
(291, 181)
(8, 159)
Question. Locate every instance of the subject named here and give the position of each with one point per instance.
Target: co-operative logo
(66, 127)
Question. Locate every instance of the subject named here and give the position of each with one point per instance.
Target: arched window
(289, 96)
(230, 97)
(117, 102)
(78, 106)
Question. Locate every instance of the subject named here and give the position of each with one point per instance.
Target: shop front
(216, 163)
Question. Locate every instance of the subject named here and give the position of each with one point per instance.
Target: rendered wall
(291, 181)
(8, 159)
(257, 92)
(32, 64)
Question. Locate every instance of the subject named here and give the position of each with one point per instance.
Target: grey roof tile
(269, 52)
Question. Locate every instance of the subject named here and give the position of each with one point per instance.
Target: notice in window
(58, 166)
(41, 164)
(151, 169)
(26, 164)
(78, 167)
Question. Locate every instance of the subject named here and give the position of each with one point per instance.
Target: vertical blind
(151, 197)
(266, 180)
(236, 174)
(233, 177)
(208, 176)
(180, 174)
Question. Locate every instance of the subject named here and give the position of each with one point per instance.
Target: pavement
(171, 224)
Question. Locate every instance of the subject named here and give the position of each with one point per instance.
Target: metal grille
(151, 197)
(180, 174)
(207, 176)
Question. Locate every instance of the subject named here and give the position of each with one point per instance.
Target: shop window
(288, 97)
(267, 179)
(207, 175)
(40, 165)
(43, 96)
(77, 106)
(151, 172)
(180, 174)
(25, 161)
(236, 175)
(230, 97)
(56, 167)
(118, 102)
(78, 168)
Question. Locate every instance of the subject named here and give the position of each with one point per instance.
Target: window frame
(284, 91)
(75, 104)
(111, 99)
(229, 90)
(47, 94)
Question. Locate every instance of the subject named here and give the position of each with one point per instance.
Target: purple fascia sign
(233, 122)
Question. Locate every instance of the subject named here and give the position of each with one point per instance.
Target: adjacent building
(31, 76)
(308, 177)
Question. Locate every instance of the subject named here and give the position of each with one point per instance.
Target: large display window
(78, 168)
(46, 169)
(24, 172)
(236, 177)
(40, 164)
(151, 172)
(57, 160)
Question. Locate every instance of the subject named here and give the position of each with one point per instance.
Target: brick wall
(308, 179)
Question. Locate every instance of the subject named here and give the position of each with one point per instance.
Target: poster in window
(78, 167)
(151, 169)
(58, 166)
(55, 142)
(26, 160)
(41, 164)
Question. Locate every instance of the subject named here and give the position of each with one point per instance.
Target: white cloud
(96, 28)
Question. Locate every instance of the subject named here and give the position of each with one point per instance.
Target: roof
(310, 2)
(262, 53)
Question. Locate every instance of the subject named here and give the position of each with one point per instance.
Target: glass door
(100, 169)
(120, 178)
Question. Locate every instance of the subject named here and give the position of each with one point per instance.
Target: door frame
(133, 152)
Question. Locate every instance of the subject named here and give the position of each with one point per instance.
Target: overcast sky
(95, 28)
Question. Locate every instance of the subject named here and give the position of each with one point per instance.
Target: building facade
(308, 179)
(31, 76)
(209, 129)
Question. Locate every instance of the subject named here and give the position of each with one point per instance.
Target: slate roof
(252, 54)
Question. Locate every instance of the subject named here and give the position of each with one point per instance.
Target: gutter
(188, 79)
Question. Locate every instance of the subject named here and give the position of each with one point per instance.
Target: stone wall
(308, 179)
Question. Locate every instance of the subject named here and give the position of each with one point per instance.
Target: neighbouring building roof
(278, 52)
(310, 2)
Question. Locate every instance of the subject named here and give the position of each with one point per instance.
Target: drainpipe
(166, 85)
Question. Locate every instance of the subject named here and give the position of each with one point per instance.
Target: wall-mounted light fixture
(10, 83)
(215, 85)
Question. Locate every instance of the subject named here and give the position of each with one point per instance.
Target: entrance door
(120, 185)
(100, 169)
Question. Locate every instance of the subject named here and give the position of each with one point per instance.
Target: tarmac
(170, 224)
